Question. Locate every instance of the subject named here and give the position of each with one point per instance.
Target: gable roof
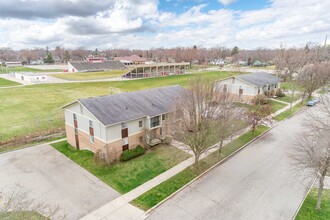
(132, 58)
(259, 78)
(113, 109)
(87, 66)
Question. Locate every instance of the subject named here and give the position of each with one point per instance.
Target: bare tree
(229, 116)
(313, 77)
(195, 119)
(257, 114)
(16, 204)
(311, 155)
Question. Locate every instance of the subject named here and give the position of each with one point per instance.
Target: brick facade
(113, 149)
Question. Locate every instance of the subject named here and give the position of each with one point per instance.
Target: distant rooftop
(133, 58)
(113, 109)
(88, 66)
(259, 78)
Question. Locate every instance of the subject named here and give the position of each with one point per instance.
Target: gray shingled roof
(259, 79)
(85, 66)
(123, 107)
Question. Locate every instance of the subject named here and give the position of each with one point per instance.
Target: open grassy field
(165, 189)
(34, 108)
(125, 176)
(25, 69)
(5, 82)
(18, 215)
(308, 211)
(90, 75)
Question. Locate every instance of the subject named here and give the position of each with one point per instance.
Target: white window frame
(91, 139)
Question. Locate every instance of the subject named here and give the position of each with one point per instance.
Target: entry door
(77, 141)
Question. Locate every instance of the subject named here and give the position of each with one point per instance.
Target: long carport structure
(158, 69)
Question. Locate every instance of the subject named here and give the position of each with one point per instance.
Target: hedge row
(129, 154)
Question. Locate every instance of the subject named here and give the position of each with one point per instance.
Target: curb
(302, 202)
(147, 213)
(21, 148)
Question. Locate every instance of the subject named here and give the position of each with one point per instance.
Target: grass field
(25, 69)
(308, 211)
(19, 215)
(165, 189)
(90, 75)
(287, 98)
(5, 82)
(276, 105)
(125, 176)
(289, 112)
(29, 109)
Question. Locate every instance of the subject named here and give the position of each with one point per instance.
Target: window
(268, 87)
(123, 125)
(91, 138)
(275, 86)
(125, 147)
(74, 117)
(163, 117)
(124, 141)
(154, 122)
(140, 124)
(240, 92)
(90, 124)
(258, 90)
(225, 88)
(76, 131)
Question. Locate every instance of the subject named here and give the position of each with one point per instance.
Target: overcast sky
(143, 24)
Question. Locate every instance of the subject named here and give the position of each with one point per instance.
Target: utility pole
(325, 41)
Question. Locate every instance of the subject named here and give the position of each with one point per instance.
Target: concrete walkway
(286, 108)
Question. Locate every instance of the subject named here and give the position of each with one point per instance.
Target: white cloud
(227, 2)
(141, 24)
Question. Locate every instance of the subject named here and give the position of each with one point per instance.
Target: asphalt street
(257, 183)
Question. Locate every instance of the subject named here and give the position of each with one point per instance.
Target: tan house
(119, 122)
(246, 86)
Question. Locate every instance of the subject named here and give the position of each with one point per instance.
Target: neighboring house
(94, 66)
(247, 86)
(130, 60)
(30, 77)
(119, 122)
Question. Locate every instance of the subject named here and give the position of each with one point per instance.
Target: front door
(77, 141)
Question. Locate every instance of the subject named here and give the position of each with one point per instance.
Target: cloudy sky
(143, 24)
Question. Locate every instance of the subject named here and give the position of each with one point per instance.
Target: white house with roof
(30, 77)
(119, 122)
(247, 86)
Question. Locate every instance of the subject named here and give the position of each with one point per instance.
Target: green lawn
(90, 75)
(276, 105)
(19, 215)
(26, 69)
(287, 98)
(286, 86)
(165, 189)
(5, 82)
(125, 176)
(289, 112)
(308, 211)
(30, 109)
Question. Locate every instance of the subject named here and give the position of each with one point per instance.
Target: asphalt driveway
(257, 183)
(50, 177)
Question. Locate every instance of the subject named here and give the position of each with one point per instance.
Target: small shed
(31, 77)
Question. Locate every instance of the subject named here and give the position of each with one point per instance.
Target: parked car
(311, 103)
(316, 100)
